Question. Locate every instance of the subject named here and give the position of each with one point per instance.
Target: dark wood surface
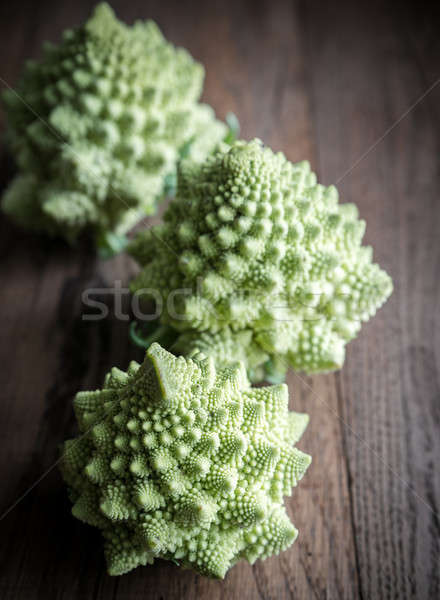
(322, 81)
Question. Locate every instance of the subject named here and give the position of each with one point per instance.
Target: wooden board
(322, 81)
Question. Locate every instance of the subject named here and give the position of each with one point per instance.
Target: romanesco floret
(178, 460)
(98, 124)
(252, 243)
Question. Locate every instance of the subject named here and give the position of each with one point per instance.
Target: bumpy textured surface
(225, 347)
(183, 462)
(98, 124)
(255, 244)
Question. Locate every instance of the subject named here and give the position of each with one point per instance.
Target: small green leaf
(109, 244)
(275, 373)
(186, 148)
(234, 128)
(170, 185)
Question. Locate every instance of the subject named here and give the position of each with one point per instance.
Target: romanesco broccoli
(253, 246)
(97, 126)
(181, 461)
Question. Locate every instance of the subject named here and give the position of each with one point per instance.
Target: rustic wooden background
(322, 81)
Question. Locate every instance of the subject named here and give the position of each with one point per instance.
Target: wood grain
(321, 81)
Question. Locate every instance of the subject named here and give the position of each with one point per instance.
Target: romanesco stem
(160, 334)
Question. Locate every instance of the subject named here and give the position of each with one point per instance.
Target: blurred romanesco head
(254, 249)
(179, 461)
(98, 124)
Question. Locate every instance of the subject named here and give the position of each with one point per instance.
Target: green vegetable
(181, 461)
(98, 125)
(261, 263)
